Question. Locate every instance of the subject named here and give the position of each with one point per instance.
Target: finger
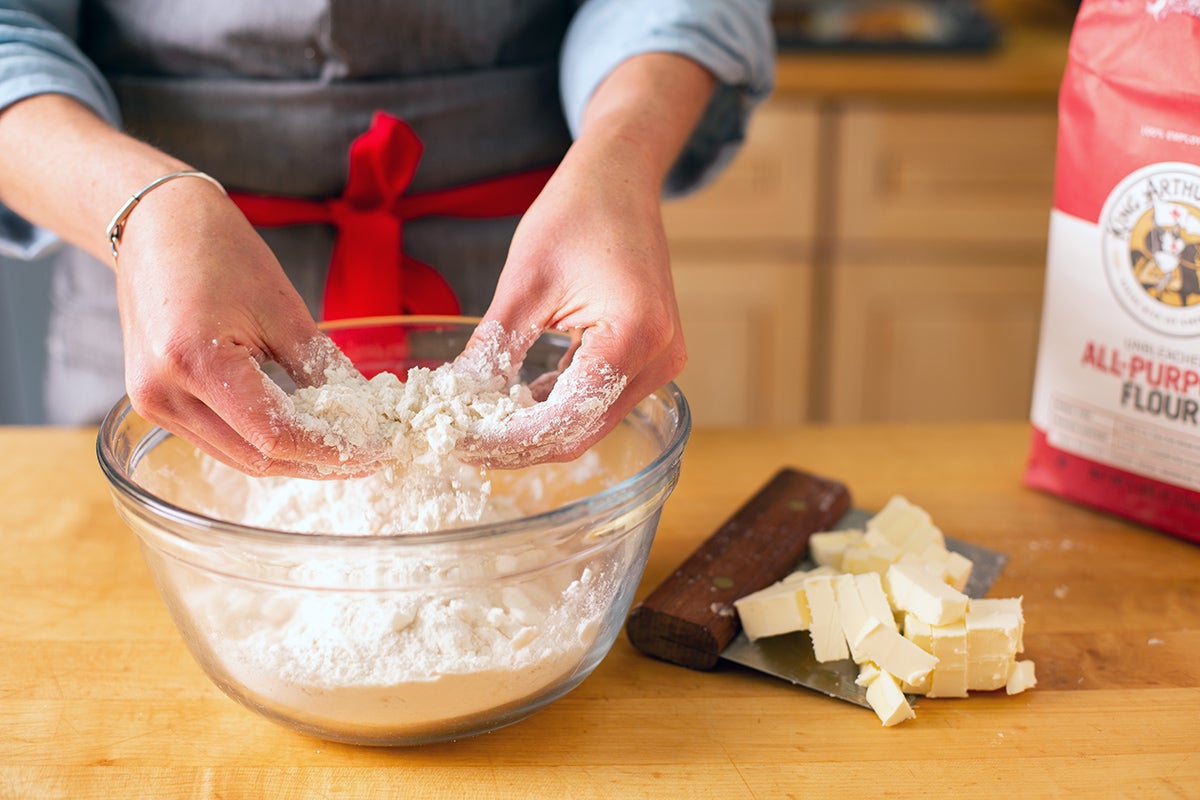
(587, 400)
(256, 411)
(211, 435)
(496, 351)
(311, 358)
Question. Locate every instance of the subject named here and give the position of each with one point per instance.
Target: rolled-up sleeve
(38, 55)
(733, 39)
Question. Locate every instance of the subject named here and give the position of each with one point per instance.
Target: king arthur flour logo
(1151, 247)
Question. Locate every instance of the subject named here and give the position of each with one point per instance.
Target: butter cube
(867, 673)
(1003, 605)
(861, 604)
(924, 595)
(950, 647)
(907, 526)
(779, 608)
(948, 683)
(920, 634)
(887, 701)
(1021, 678)
(851, 612)
(826, 548)
(893, 653)
(992, 631)
(953, 568)
(873, 554)
(986, 674)
(829, 642)
(957, 570)
(874, 598)
(920, 687)
(993, 635)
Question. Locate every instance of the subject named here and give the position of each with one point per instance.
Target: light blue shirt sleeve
(733, 39)
(38, 55)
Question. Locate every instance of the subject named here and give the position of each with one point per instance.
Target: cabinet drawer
(933, 342)
(747, 325)
(768, 192)
(952, 176)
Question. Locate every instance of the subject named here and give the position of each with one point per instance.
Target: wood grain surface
(100, 699)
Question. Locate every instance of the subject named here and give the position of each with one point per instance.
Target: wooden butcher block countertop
(100, 699)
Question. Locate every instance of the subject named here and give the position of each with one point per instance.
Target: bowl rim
(607, 498)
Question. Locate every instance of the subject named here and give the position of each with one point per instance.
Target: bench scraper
(690, 619)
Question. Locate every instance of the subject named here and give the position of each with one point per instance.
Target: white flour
(363, 665)
(419, 485)
(360, 664)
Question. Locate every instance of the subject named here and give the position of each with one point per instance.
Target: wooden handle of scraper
(689, 619)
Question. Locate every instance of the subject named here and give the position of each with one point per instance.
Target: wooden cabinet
(944, 174)
(869, 258)
(749, 340)
(937, 262)
(928, 340)
(742, 254)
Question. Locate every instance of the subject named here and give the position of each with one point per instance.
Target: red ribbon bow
(370, 274)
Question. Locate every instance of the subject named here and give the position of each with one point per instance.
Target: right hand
(204, 304)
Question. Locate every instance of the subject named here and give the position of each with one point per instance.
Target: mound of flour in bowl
(414, 640)
(362, 665)
(419, 485)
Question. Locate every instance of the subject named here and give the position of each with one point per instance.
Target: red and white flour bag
(1116, 402)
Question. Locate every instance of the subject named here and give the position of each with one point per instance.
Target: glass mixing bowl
(408, 638)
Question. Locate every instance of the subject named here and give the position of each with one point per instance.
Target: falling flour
(458, 633)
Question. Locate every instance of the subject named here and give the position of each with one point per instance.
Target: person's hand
(589, 257)
(204, 304)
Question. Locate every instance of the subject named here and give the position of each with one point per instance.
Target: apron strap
(370, 274)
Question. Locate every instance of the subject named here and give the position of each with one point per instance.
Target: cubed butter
(870, 556)
(947, 683)
(866, 673)
(957, 570)
(826, 548)
(851, 612)
(953, 568)
(779, 608)
(897, 570)
(992, 631)
(829, 643)
(893, 653)
(918, 632)
(921, 634)
(986, 674)
(907, 526)
(924, 594)
(887, 701)
(874, 598)
(1021, 677)
(1008, 605)
(950, 647)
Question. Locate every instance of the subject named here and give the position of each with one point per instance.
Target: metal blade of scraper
(790, 656)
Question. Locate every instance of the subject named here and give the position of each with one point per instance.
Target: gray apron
(267, 97)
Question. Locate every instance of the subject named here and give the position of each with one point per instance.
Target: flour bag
(1116, 405)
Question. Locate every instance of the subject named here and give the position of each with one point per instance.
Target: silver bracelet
(117, 226)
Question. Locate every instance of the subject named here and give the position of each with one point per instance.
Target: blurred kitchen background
(876, 251)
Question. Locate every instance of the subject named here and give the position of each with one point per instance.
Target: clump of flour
(418, 484)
